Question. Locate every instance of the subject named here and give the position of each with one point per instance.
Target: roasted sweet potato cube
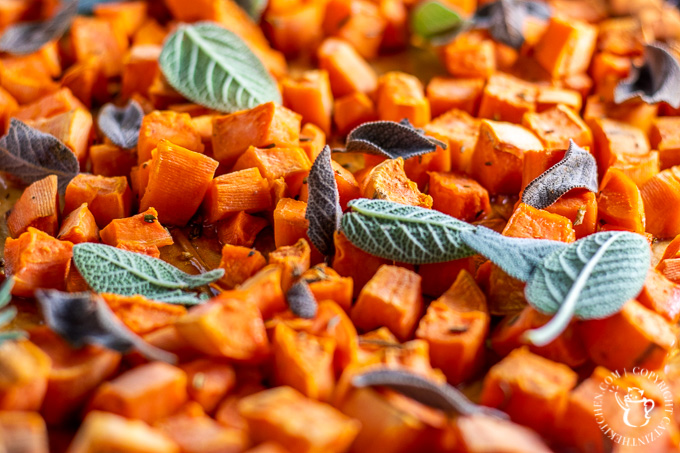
(23, 432)
(38, 207)
(351, 261)
(326, 284)
(446, 93)
(400, 96)
(660, 192)
(239, 263)
(438, 277)
(556, 126)
(285, 416)
(142, 315)
(125, 17)
(664, 136)
(107, 198)
(24, 81)
(293, 259)
(566, 46)
(289, 163)
(140, 69)
(392, 298)
(363, 28)
(239, 191)
(241, 229)
(265, 125)
(352, 110)
(94, 37)
(26, 370)
(612, 138)
(292, 30)
(531, 389)
(177, 128)
(209, 381)
(471, 54)
(52, 104)
(388, 181)
(619, 202)
(507, 98)
(264, 290)
(348, 71)
(312, 140)
(460, 131)
(529, 222)
(348, 187)
(290, 224)
(459, 196)
(79, 226)
(661, 295)
(87, 81)
(110, 160)
(310, 96)
(549, 97)
(72, 128)
(143, 228)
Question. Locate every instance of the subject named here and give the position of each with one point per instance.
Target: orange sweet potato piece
(110, 160)
(312, 140)
(52, 104)
(37, 260)
(284, 416)
(620, 203)
(289, 163)
(661, 295)
(363, 28)
(24, 378)
(94, 37)
(531, 389)
(226, 327)
(142, 315)
(348, 187)
(549, 97)
(388, 181)
(663, 136)
(470, 55)
(38, 207)
(209, 381)
(332, 321)
(326, 284)
(241, 229)
(459, 196)
(507, 98)
(25, 82)
(23, 431)
(566, 47)
(350, 261)
(635, 336)
(87, 81)
(72, 128)
(310, 96)
(79, 226)
(149, 392)
(140, 69)
(239, 263)
(613, 138)
(264, 290)
(446, 93)
(107, 198)
(348, 71)
(244, 190)
(351, 110)
(290, 223)
(460, 131)
(104, 431)
(126, 17)
(555, 126)
(529, 222)
(175, 203)
(8, 106)
(438, 277)
(293, 259)
(142, 228)
(660, 192)
(177, 128)
(261, 126)
(497, 157)
(294, 28)
(639, 168)
(392, 298)
(400, 96)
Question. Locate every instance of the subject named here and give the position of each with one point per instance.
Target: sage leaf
(8, 314)
(301, 301)
(391, 139)
(408, 234)
(121, 124)
(254, 8)
(518, 257)
(213, 67)
(436, 22)
(504, 19)
(111, 270)
(84, 318)
(591, 278)
(86, 7)
(442, 396)
(323, 205)
(31, 155)
(28, 37)
(656, 80)
(577, 169)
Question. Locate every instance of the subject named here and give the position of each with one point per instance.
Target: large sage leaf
(301, 301)
(658, 79)
(84, 318)
(518, 257)
(443, 396)
(31, 155)
(121, 124)
(29, 37)
(436, 22)
(578, 169)
(323, 205)
(591, 278)
(8, 314)
(408, 234)
(111, 270)
(391, 139)
(213, 67)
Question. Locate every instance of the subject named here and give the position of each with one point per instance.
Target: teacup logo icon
(633, 405)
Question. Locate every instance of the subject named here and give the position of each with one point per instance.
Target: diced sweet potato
(38, 207)
(326, 284)
(664, 137)
(264, 290)
(294, 29)
(350, 261)
(239, 263)
(94, 37)
(310, 96)
(566, 46)
(24, 81)
(241, 229)
(142, 228)
(613, 138)
(400, 96)
(140, 68)
(529, 222)
(438, 277)
(459, 196)
(142, 315)
(388, 181)
(471, 54)
(52, 104)
(348, 71)
(23, 432)
(72, 128)
(549, 97)
(172, 126)
(110, 160)
(351, 110)
(209, 381)
(239, 191)
(293, 259)
(620, 203)
(507, 98)
(445, 94)
(660, 192)
(661, 295)
(556, 126)
(289, 163)
(79, 226)
(106, 198)
(460, 131)
(24, 379)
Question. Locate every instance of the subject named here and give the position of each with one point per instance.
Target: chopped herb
(149, 218)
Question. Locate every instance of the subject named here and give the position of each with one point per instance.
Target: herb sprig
(8, 314)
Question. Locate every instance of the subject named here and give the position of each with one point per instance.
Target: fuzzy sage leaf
(436, 22)
(323, 208)
(391, 139)
(84, 318)
(301, 301)
(8, 314)
(408, 234)
(29, 37)
(121, 124)
(111, 270)
(658, 79)
(213, 67)
(591, 278)
(254, 8)
(31, 155)
(504, 19)
(578, 169)
(442, 396)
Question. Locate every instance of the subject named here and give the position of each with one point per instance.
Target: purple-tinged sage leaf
(442, 396)
(323, 208)
(301, 301)
(505, 19)
(577, 170)
(658, 79)
(84, 318)
(391, 139)
(29, 37)
(121, 124)
(31, 155)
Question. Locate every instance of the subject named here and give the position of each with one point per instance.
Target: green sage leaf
(323, 208)
(301, 301)
(110, 270)
(121, 124)
(29, 37)
(31, 155)
(435, 21)
(591, 278)
(504, 19)
(86, 7)
(8, 314)
(254, 8)
(408, 234)
(213, 67)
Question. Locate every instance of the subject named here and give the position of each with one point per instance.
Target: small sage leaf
(301, 301)
(591, 278)
(323, 208)
(8, 314)
(213, 67)
(578, 169)
(443, 396)
(29, 37)
(86, 7)
(391, 139)
(31, 155)
(435, 21)
(658, 79)
(518, 257)
(408, 234)
(505, 19)
(121, 124)
(254, 8)
(84, 318)
(111, 270)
